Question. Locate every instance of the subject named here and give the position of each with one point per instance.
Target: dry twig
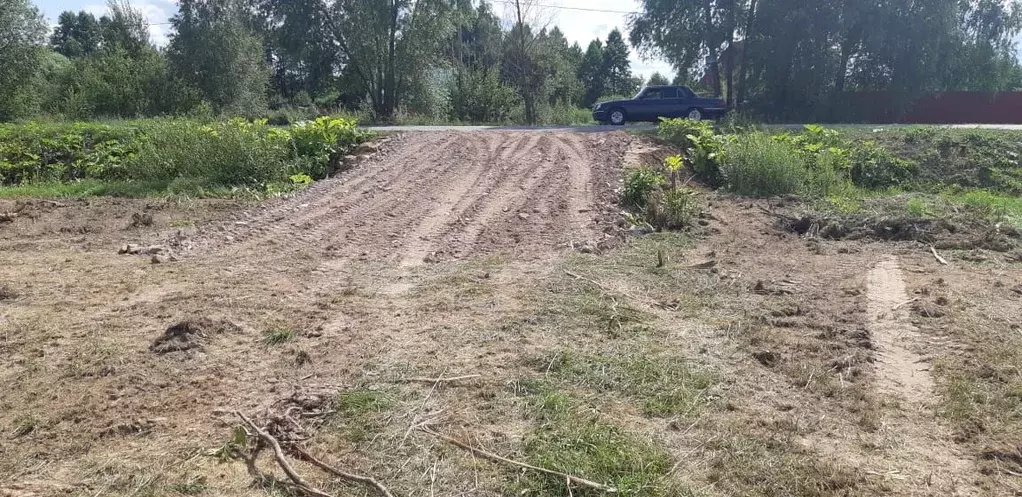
(365, 480)
(937, 256)
(494, 457)
(903, 304)
(440, 380)
(278, 454)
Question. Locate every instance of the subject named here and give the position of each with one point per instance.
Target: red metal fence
(960, 107)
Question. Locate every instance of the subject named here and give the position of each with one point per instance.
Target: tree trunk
(730, 74)
(847, 45)
(712, 44)
(750, 21)
(390, 88)
(525, 68)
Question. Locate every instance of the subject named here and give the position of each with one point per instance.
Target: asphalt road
(595, 128)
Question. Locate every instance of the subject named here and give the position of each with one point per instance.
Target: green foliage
(479, 96)
(215, 51)
(875, 167)
(279, 336)
(176, 153)
(574, 440)
(639, 184)
(667, 385)
(22, 30)
(671, 208)
(616, 69)
(757, 165)
(700, 143)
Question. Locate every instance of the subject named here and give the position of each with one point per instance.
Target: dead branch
(899, 306)
(606, 289)
(300, 453)
(494, 457)
(278, 454)
(937, 256)
(439, 380)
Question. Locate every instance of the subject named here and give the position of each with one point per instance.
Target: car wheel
(617, 117)
(695, 115)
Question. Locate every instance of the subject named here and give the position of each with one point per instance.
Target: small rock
(523, 216)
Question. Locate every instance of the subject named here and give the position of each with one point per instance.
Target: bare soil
(814, 366)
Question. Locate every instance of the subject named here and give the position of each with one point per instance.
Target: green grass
(279, 336)
(575, 440)
(664, 385)
(757, 166)
(758, 466)
(361, 412)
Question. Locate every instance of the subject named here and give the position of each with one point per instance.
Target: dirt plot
(476, 286)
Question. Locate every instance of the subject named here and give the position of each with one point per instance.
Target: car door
(670, 104)
(648, 105)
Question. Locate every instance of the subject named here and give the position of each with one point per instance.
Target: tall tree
(657, 79)
(590, 73)
(22, 31)
(76, 35)
(215, 49)
(300, 46)
(616, 67)
(389, 45)
(688, 33)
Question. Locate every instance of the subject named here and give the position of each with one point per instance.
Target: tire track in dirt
(458, 189)
(920, 443)
(312, 219)
(516, 174)
(430, 193)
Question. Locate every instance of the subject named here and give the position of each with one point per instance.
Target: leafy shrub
(757, 165)
(639, 184)
(875, 167)
(671, 208)
(700, 143)
(181, 154)
(62, 152)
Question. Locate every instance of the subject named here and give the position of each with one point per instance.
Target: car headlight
(597, 106)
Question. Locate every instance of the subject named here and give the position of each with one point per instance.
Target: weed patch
(768, 466)
(138, 158)
(664, 385)
(279, 336)
(361, 412)
(574, 440)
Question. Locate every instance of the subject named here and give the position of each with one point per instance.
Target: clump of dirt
(767, 358)
(942, 233)
(6, 293)
(927, 309)
(141, 220)
(190, 334)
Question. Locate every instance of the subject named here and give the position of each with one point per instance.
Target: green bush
(754, 164)
(180, 154)
(700, 143)
(36, 152)
(873, 166)
(639, 184)
(671, 208)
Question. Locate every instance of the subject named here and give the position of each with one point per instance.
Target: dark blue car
(654, 102)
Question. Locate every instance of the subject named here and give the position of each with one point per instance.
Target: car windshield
(639, 95)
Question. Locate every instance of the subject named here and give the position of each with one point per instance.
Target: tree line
(793, 58)
(446, 59)
(460, 60)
